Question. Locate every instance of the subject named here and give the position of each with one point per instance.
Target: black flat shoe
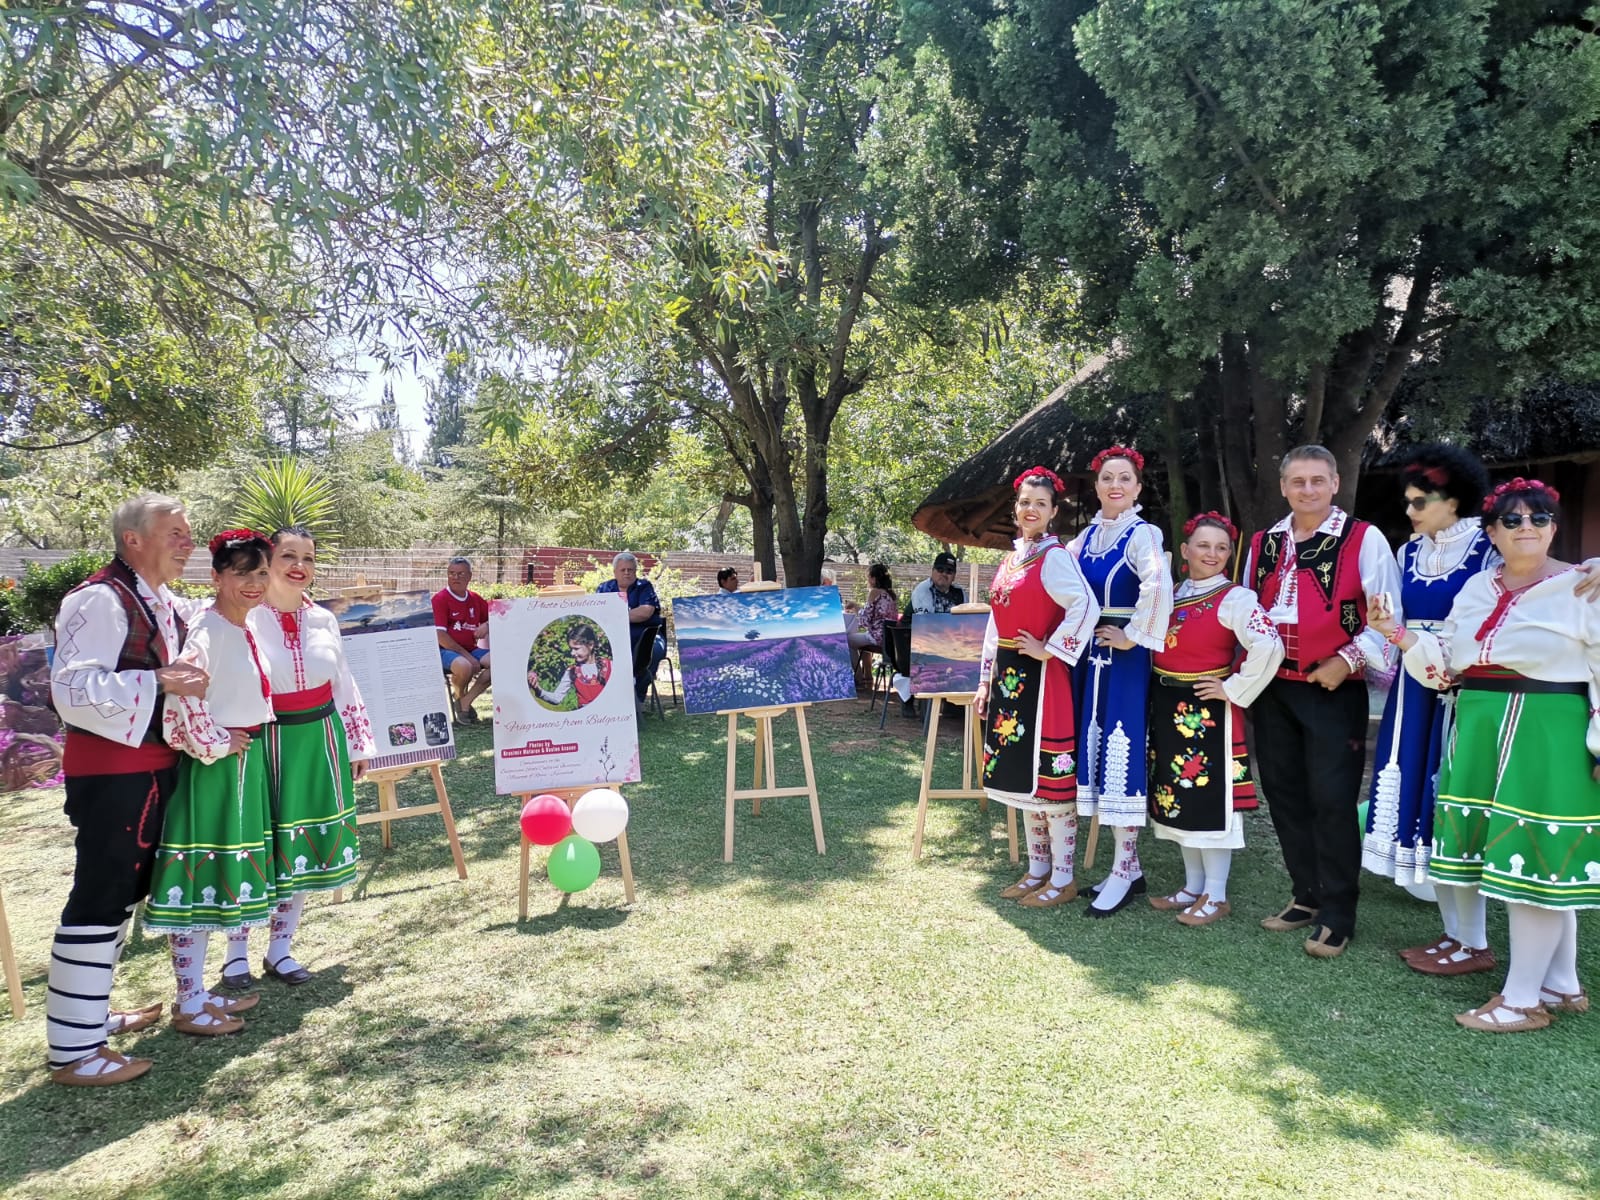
(1137, 888)
(236, 980)
(293, 978)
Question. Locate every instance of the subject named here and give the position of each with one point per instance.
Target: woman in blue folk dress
(1444, 489)
(1122, 559)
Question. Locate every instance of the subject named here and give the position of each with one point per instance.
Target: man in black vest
(117, 641)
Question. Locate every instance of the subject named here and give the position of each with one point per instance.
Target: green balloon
(574, 863)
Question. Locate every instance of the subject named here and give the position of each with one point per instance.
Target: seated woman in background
(867, 637)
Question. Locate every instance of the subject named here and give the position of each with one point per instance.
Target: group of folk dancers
(210, 765)
(1106, 693)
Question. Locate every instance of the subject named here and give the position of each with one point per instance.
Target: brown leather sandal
(1448, 964)
(210, 1021)
(1025, 886)
(1566, 1002)
(125, 1068)
(1533, 1017)
(134, 1019)
(1050, 896)
(1172, 903)
(1445, 945)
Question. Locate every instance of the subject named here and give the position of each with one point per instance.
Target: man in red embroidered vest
(1314, 571)
(117, 639)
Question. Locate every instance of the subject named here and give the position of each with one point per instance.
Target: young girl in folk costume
(1199, 771)
(1121, 557)
(213, 868)
(1444, 489)
(588, 674)
(1518, 808)
(316, 750)
(1039, 623)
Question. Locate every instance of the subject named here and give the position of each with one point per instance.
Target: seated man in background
(461, 619)
(645, 621)
(937, 593)
(728, 580)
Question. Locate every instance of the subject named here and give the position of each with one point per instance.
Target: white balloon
(600, 815)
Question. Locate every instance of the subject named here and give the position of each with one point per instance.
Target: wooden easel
(971, 749)
(767, 789)
(389, 809)
(570, 797)
(8, 962)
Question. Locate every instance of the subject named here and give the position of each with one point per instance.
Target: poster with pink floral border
(564, 714)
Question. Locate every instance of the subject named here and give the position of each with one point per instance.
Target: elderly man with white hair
(118, 635)
(645, 622)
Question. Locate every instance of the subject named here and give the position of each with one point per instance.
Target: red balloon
(546, 820)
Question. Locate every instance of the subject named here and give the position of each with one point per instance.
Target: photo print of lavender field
(946, 651)
(745, 650)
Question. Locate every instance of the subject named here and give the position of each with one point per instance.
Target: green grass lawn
(789, 1025)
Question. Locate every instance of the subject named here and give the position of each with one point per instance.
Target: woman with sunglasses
(1518, 811)
(1444, 489)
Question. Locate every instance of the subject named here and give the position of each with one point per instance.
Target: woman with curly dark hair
(1444, 489)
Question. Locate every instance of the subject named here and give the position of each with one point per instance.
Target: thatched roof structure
(972, 507)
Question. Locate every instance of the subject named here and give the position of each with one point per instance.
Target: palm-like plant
(288, 491)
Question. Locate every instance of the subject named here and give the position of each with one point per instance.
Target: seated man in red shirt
(461, 619)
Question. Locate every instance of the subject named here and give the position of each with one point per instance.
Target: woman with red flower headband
(1444, 488)
(316, 750)
(1122, 558)
(1039, 622)
(1199, 771)
(214, 866)
(1518, 809)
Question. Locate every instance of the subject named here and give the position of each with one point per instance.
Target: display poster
(564, 714)
(946, 652)
(752, 649)
(30, 735)
(393, 653)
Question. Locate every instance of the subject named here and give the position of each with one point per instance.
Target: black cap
(944, 562)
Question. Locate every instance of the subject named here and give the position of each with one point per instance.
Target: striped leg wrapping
(78, 1001)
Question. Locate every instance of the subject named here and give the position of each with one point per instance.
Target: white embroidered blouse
(236, 698)
(1147, 559)
(1063, 580)
(307, 651)
(88, 691)
(1544, 632)
(1241, 613)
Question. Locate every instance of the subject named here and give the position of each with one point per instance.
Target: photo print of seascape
(946, 652)
(745, 650)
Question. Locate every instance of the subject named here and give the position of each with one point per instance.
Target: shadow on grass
(1532, 1102)
(56, 1125)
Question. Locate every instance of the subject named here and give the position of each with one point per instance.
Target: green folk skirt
(315, 842)
(213, 868)
(1518, 811)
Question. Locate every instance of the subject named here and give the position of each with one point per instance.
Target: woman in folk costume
(213, 868)
(1444, 489)
(1122, 559)
(316, 750)
(1040, 620)
(1199, 771)
(1518, 809)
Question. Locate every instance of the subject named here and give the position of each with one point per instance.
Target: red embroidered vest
(143, 649)
(1330, 602)
(1197, 642)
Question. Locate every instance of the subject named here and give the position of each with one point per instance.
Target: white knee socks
(237, 961)
(188, 965)
(1536, 935)
(1038, 846)
(1562, 974)
(285, 920)
(1445, 896)
(1124, 870)
(1194, 870)
(1063, 846)
(1218, 863)
(78, 999)
(1472, 918)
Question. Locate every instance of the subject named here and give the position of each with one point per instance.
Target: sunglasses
(1418, 503)
(1514, 520)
